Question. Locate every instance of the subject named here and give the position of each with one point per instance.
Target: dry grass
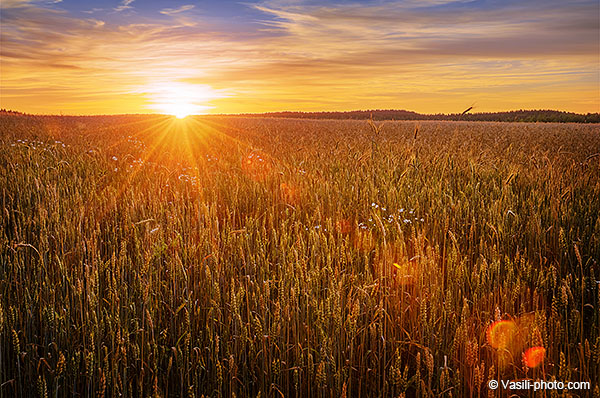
(146, 257)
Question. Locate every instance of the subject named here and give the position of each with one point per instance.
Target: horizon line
(10, 111)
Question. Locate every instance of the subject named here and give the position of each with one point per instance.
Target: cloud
(125, 5)
(25, 3)
(173, 11)
(535, 28)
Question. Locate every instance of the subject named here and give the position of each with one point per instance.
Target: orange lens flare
(534, 356)
(289, 194)
(500, 333)
(344, 226)
(406, 274)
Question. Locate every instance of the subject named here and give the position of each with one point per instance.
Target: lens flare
(534, 356)
(500, 333)
(343, 226)
(289, 194)
(406, 273)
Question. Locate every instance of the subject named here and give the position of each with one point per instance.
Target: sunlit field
(153, 256)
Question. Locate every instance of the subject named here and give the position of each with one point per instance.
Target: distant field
(148, 256)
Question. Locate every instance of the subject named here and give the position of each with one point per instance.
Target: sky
(224, 56)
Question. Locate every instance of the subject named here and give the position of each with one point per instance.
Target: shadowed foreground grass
(145, 256)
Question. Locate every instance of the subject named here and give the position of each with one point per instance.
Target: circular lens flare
(534, 356)
(500, 333)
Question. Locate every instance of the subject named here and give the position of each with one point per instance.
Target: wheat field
(144, 256)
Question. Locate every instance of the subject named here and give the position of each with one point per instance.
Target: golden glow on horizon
(181, 99)
(179, 110)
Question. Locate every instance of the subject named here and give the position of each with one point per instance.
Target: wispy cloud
(24, 3)
(125, 5)
(173, 11)
(534, 28)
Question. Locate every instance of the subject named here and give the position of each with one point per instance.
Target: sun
(182, 111)
(181, 99)
(179, 109)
